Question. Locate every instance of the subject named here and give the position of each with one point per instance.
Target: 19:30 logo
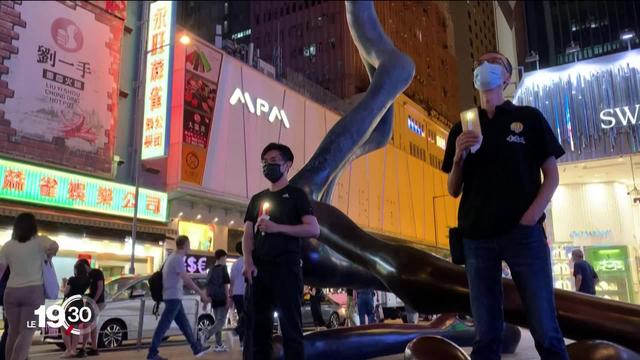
(76, 315)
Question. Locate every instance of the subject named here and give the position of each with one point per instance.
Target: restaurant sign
(41, 186)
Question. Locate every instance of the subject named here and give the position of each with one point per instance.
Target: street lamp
(573, 48)
(627, 36)
(533, 57)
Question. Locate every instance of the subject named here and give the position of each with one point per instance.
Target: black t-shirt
(225, 280)
(501, 180)
(96, 275)
(318, 297)
(77, 286)
(584, 269)
(287, 207)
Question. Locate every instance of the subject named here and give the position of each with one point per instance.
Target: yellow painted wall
(391, 192)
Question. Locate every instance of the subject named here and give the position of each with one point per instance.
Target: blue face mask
(487, 76)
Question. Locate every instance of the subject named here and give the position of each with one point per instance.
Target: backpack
(155, 287)
(215, 285)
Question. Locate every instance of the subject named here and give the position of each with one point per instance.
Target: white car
(119, 321)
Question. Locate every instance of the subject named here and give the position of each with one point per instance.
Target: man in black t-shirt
(218, 290)
(583, 273)
(276, 220)
(502, 210)
(96, 292)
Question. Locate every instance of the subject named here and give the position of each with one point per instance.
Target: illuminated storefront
(593, 106)
(88, 217)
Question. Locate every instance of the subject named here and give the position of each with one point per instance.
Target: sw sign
(261, 107)
(625, 114)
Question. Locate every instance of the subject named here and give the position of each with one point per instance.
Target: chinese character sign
(157, 106)
(65, 77)
(41, 186)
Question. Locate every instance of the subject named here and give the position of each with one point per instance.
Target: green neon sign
(42, 186)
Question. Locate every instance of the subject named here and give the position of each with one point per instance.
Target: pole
(138, 129)
(140, 323)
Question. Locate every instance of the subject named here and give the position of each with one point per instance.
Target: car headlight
(275, 314)
(343, 311)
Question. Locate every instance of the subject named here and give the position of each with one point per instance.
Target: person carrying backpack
(218, 290)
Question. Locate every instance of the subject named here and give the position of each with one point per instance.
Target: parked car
(120, 319)
(333, 314)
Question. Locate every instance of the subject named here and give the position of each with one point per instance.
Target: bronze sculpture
(426, 282)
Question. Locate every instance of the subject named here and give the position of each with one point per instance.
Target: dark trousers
(238, 302)
(316, 313)
(526, 252)
(366, 309)
(277, 288)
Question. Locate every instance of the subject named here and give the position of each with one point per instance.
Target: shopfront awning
(77, 218)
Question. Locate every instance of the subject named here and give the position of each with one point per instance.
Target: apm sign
(261, 107)
(625, 115)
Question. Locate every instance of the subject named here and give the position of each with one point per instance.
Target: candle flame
(265, 206)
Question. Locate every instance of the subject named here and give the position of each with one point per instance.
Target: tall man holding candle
(498, 172)
(276, 220)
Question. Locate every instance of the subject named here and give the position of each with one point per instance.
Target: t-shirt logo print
(517, 127)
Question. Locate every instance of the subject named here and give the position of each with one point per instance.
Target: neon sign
(157, 98)
(415, 127)
(41, 186)
(606, 115)
(261, 107)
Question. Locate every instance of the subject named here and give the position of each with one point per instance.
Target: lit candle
(265, 212)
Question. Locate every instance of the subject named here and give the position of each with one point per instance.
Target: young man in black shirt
(502, 210)
(276, 220)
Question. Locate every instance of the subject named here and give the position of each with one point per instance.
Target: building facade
(312, 38)
(592, 106)
(67, 108)
(562, 32)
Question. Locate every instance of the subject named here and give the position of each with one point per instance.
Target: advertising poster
(202, 64)
(62, 75)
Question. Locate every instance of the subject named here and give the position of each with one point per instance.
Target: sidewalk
(176, 349)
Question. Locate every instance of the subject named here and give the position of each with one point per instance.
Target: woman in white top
(24, 254)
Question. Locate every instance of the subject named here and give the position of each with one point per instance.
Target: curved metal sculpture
(599, 350)
(369, 341)
(428, 283)
(434, 348)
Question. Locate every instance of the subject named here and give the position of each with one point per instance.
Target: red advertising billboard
(59, 82)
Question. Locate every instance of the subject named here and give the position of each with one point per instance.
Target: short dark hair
(284, 150)
(239, 247)
(25, 227)
(85, 261)
(181, 241)
(219, 254)
(79, 269)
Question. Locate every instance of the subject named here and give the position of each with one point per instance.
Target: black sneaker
(93, 352)
(81, 353)
(203, 351)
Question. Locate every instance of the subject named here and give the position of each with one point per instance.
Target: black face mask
(272, 172)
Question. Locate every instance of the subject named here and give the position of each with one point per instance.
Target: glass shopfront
(593, 107)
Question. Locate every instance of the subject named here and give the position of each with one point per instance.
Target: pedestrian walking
(25, 254)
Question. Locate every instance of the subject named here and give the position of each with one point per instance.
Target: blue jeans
(365, 308)
(526, 252)
(173, 311)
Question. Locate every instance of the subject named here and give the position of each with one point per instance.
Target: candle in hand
(265, 212)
